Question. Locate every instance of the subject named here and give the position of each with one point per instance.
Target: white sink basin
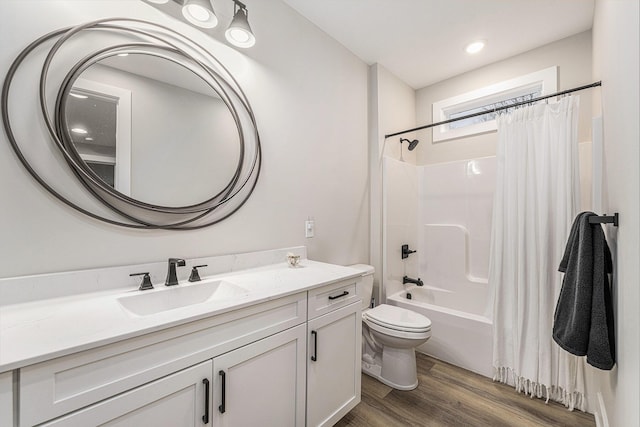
(145, 303)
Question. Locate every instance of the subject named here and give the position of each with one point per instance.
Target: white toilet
(390, 335)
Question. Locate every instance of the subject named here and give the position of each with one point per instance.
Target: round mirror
(152, 129)
(157, 130)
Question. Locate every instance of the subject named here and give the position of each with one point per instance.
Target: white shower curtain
(536, 199)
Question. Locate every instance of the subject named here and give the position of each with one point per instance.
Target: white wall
(391, 108)
(573, 57)
(309, 95)
(616, 62)
(185, 144)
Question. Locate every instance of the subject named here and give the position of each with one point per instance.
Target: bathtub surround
(537, 196)
(446, 208)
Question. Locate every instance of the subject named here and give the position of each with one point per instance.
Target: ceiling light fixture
(239, 32)
(77, 95)
(475, 47)
(199, 13)
(79, 131)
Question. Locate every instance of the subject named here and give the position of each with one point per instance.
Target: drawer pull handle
(315, 346)
(344, 294)
(221, 408)
(205, 417)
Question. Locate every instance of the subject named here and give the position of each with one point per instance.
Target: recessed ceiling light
(88, 138)
(475, 47)
(79, 131)
(77, 95)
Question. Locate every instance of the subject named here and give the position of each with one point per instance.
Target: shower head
(412, 144)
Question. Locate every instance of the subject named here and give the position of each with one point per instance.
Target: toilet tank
(366, 285)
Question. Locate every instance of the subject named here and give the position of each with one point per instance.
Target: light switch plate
(309, 228)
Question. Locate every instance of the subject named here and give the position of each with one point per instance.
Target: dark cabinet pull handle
(315, 346)
(344, 294)
(221, 408)
(205, 417)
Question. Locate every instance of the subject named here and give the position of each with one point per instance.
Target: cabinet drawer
(57, 387)
(331, 297)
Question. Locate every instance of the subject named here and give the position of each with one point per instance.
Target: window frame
(546, 80)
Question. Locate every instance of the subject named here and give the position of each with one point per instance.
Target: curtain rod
(468, 116)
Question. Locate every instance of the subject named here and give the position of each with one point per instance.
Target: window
(487, 99)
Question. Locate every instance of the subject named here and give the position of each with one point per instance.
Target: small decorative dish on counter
(293, 260)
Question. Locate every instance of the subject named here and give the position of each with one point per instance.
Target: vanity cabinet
(334, 353)
(61, 386)
(247, 367)
(261, 381)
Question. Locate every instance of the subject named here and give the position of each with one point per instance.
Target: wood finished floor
(452, 396)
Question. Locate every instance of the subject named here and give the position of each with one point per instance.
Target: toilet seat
(397, 319)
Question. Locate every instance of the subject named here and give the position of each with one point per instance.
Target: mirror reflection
(153, 130)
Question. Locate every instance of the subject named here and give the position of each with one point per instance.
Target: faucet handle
(146, 281)
(195, 277)
(406, 251)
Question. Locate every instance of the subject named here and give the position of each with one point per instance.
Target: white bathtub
(463, 338)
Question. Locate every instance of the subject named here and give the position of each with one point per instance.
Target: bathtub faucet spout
(407, 279)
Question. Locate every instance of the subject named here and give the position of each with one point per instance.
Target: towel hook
(604, 219)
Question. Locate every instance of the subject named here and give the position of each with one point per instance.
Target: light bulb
(239, 32)
(475, 47)
(200, 13)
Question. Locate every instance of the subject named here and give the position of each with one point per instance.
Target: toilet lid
(398, 318)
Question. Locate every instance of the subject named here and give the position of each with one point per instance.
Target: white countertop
(36, 331)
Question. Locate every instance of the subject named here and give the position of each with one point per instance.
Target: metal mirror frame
(130, 212)
(60, 124)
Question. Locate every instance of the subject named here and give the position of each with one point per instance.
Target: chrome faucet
(407, 279)
(172, 278)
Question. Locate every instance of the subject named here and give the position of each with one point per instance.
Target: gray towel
(583, 321)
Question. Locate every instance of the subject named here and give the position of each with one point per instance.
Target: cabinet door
(262, 384)
(179, 399)
(333, 365)
(6, 399)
